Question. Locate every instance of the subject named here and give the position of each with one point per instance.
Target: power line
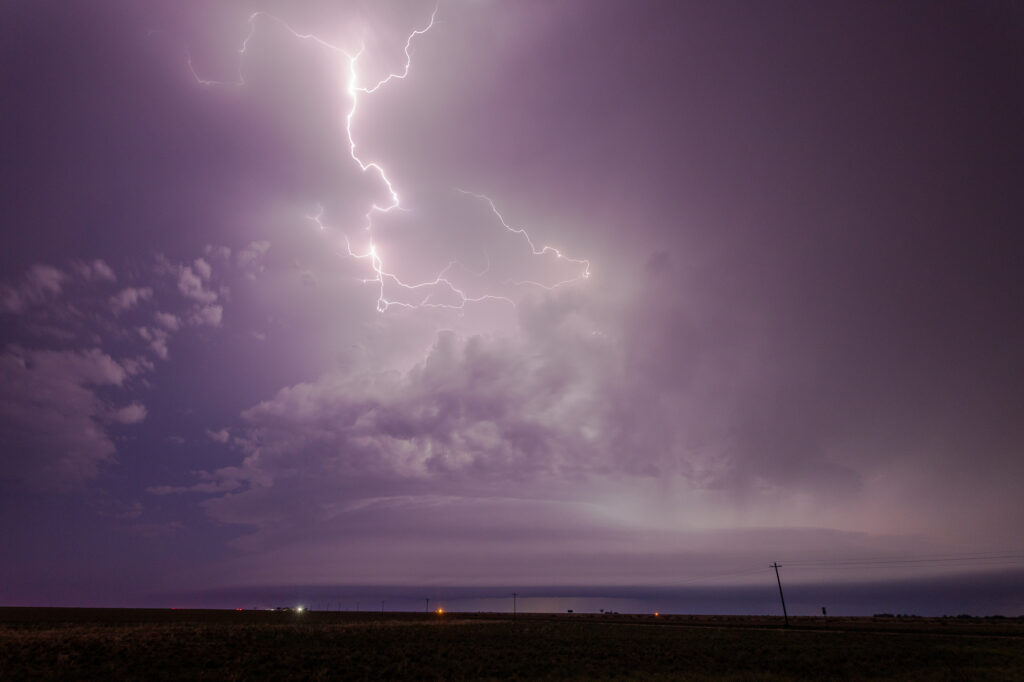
(1005, 557)
(785, 615)
(893, 561)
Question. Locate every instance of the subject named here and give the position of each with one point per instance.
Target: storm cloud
(602, 292)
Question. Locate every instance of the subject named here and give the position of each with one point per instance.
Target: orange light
(656, 614)
(440, 611)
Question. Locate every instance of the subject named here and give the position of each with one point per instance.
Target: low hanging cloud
(520, 443)
(551, 408)
(637, 411)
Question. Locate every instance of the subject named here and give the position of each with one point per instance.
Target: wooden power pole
(779, 580)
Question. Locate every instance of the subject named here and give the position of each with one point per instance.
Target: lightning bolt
(382, 276)
(243, 50)
(542, 251)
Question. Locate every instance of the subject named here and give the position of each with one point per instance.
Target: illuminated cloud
(190, 282)
(129, 298)
(97, 270)
(49, 406)
(168, 321)
(129, 414)
(219, 436)
(40, 283)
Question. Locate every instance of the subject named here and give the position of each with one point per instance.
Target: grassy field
(154, 644)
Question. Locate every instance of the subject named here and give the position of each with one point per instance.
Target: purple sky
(799, 340)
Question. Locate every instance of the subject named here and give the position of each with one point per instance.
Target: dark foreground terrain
(154, 644)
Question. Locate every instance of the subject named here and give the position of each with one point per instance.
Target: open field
(188, 644)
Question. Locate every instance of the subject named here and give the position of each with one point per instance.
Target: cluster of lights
(424, 291)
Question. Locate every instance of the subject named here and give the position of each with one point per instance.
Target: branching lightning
(382, 276)
(542, 251)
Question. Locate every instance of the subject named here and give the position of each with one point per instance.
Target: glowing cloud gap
(371, 254)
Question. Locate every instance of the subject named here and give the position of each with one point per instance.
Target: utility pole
(382, 607)
(426, 608)
(514, 595)
(779, 580)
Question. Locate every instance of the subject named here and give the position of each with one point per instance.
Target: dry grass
(163, 645)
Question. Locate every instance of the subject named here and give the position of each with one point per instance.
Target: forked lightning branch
(415, 294)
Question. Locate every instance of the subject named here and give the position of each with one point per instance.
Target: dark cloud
(51, 414)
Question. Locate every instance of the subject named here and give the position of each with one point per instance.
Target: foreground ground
(166, 644)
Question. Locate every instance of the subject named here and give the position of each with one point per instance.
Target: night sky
(588, 293)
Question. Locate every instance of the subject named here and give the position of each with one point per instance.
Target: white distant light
(300, 609)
